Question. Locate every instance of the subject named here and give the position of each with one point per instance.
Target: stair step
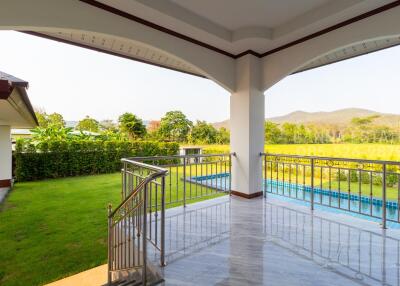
(126, 283)
(135, 283)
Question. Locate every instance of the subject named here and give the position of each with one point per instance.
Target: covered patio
(219, 242)
(245, 55)
(250, 236)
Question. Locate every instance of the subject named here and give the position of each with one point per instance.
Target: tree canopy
(203, 133)
(174, 126)
(88, 124)
(55, 120)
(132, 125)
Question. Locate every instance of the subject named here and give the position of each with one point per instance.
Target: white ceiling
(234, 14)
(236, 26)
(233, 26)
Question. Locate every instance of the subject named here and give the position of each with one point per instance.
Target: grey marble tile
(234, 241)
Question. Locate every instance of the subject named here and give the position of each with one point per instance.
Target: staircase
(129, 225)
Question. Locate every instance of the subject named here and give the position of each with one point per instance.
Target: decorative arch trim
(251, 52)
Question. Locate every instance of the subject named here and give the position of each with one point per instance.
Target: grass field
(360, 151)
(55, 228)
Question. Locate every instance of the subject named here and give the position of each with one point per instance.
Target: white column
(247, 116)
(5, 156)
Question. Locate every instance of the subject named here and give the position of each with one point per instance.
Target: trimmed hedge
(57, 159)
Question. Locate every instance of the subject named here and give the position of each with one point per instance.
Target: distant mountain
(339, 118)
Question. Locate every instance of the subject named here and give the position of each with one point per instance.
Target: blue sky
(77, 82)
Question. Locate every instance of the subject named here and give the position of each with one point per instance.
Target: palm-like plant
(51, 132)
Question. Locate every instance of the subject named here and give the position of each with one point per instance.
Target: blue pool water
(331, 198)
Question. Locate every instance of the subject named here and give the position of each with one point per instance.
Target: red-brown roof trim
(5, 89)
(8, 83)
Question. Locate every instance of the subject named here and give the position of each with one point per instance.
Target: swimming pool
(330, 198)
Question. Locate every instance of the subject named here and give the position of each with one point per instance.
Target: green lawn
(50, 229)
(54, 228)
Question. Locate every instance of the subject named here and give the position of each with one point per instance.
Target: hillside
(339, 118)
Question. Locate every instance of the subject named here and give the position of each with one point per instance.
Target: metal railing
(129, 224)
(193, 177)
(367, 187)
(148, 185)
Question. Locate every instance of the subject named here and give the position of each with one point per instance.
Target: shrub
(391, 179)
(365, 177)
(59, 158)
(341, 175)
(353, 176)
(377, 180)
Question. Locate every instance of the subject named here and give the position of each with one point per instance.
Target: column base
(247, 196)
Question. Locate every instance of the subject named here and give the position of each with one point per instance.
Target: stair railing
(128, 222)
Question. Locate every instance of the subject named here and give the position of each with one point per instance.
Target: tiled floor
(234, 241)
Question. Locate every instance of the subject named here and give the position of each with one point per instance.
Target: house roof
(14, 81)
(15, 106)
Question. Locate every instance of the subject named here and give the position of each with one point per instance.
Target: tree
(273, 134)
(152, 130)
(360, 129)
(223, 136)
(42, 134)
(203, 133)
(153, 126)
(132, 125)
(88, 124)
(45, 120)
(174, 126)
(56, 120)
(42, 118)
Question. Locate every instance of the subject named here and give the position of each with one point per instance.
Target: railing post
(230, 173)
(162, 243)
(144, 236)
(109, 244)
(312, 184)
(123, 189)
(265, 175)
(184, 182)
(384, 196)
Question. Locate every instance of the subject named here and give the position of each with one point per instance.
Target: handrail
(131, 213)
(143, 165)
(381, 162)
(140, 186)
